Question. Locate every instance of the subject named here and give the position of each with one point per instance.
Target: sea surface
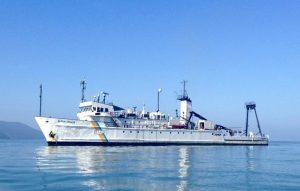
(32, 165)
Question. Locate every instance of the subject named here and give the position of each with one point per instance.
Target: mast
(158, 92)
(98, 98)
(184, 90)
(184, 96)
(83, 87)
(41, 94)
(185, 105)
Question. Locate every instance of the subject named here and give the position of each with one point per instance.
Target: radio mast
(41, 94)
(83, 87)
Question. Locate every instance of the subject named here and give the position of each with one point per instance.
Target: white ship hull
(79, 132)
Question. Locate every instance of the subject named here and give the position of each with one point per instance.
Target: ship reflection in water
(142, 168)
(183, 168)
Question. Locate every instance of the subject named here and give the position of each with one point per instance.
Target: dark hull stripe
(144, 144)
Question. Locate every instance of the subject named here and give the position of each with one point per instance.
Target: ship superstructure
(101, 123)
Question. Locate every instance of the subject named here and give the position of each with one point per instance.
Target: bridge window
(106, 109)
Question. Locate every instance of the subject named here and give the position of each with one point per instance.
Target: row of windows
(100, 109)
(160, 132)
(86, 109)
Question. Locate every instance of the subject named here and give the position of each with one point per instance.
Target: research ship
(102, 123)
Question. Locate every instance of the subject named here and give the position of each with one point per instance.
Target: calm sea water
(32, 165)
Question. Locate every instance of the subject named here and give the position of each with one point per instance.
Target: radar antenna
(83, 88)
(104, 96)
(134, 108)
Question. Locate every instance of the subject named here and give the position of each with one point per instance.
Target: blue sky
(229, 51)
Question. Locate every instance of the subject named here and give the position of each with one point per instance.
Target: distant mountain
(15, 130)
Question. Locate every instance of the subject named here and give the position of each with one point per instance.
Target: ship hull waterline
(64, 132)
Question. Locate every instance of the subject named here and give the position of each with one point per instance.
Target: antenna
(98, 98)
(184, 96)
(184, 93)
(83, 87)
(143, 112)
(41, 94)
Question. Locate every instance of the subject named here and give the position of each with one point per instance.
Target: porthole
(130, 131)
(151, 132)
(160, 132)
(178, 132)
(123, 131)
